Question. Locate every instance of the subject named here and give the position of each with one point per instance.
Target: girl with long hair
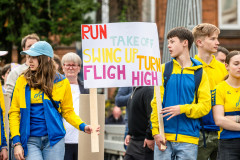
(41, 98)
(226, 109)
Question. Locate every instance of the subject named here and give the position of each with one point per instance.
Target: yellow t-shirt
(229, 97)
(216, 71)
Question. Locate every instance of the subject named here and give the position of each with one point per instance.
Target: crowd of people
(200, 103)
(43, 116)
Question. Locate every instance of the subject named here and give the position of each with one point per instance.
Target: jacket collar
(195, 64)
(212, 63)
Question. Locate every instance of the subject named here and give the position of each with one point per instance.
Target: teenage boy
(182, 106)
(206, 39)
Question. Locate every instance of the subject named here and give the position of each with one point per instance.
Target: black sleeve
(148, 96)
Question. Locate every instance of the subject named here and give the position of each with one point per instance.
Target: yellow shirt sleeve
(67, 107)
(218, 96)
(14, 112)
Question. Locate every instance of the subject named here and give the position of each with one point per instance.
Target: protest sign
(121, 55)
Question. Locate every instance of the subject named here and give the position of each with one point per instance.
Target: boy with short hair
(206, 39)
(183, 101)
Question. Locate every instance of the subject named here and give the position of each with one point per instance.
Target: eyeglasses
(68, 66)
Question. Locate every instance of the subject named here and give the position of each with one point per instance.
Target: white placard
(121, 55)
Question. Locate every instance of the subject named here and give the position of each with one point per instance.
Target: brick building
(214, 12)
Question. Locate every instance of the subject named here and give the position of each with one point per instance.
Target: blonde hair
(203, 30)
(71, 56)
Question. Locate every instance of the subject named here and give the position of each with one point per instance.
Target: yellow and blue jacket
(229, 98)
(180, 90)
(3, 135)
(216, 72)
(19, 113)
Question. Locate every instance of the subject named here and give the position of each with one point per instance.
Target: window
(229, 14)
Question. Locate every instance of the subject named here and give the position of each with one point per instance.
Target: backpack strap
(167, 72)
(197, 79)
(166, 75)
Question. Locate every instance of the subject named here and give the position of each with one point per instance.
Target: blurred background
(59, 23)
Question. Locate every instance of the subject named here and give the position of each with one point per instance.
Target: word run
(99, 30)
(107, 72)
(141, 78)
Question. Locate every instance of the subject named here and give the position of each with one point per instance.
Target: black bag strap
(167, 72)
(54, 104)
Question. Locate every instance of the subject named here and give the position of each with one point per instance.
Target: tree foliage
(61, 19)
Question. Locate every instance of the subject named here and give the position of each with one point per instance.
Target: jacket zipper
(179, 103)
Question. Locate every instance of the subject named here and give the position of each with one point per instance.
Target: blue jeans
(39, 149)
(177, 151)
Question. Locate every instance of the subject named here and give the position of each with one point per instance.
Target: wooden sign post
(84, 145)
(160, 118)
(94, 119)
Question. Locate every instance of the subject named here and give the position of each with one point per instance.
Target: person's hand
(149, 143)
(88, 129)
(19, 152)
(127, 140)
(171, 111)
(4, 154)
(160, 141)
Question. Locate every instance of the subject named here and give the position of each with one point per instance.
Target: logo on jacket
(213, 97)
(37, 97)
(237, 104)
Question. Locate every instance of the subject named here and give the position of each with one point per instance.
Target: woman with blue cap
(41, 98)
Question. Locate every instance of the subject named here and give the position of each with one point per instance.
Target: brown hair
(4, 70)
(183, 34)
(43, 77)
(57, 60)
(228, 58)
(30, 36)
(203, 30)
(223, 50)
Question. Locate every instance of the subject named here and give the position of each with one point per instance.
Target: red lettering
(103, 32)
(83, 31)
(91, 32)
(100, 31)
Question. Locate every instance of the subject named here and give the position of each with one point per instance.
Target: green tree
(47, 18)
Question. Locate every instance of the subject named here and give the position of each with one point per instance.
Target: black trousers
(71, 152)
(229, 149)
(136, 151)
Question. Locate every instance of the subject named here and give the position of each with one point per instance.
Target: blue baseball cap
(39, 48)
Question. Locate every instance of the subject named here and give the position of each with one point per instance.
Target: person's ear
(185, 43)
(227, 66)
(199, 42)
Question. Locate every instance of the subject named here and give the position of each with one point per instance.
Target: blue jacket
(19, 114)
(180, 90)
